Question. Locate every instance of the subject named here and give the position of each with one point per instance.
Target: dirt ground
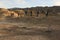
(30, 29)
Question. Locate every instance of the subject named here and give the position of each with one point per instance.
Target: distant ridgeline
(30, 12)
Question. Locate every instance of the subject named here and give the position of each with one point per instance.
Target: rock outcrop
(30, 12)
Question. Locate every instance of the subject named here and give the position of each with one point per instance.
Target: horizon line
(28, 7)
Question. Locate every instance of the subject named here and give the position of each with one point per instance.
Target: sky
(28, 3)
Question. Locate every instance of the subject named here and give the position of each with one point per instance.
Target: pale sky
(28, 3)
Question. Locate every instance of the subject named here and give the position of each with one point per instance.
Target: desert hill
(31, 12)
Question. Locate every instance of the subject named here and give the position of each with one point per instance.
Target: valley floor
(30, 29)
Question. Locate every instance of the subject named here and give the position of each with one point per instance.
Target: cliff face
(30, 12)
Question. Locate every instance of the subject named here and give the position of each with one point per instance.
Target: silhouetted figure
(37, 13)
(31, 13)
(25, 12)
(47, 13)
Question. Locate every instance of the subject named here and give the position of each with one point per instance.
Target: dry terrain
(30, 28)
